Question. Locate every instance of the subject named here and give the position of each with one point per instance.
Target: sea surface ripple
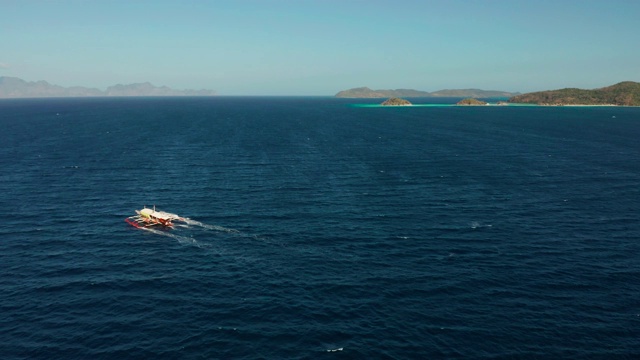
(319, 230)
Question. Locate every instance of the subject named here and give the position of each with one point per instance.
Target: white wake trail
(210, 227)
(181, 239)
(233, 232)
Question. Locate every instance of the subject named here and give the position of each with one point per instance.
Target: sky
(303, 47)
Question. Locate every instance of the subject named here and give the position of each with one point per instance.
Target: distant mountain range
(12, 87)
(626, 93)
(365, 92)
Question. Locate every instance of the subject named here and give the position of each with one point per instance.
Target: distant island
(626, 93)
(394, 101)
(470, 102)
(12, 87)
(365, 92)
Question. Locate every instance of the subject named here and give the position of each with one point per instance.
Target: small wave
(476, 224)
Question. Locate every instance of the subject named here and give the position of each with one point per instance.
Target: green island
(471, 102)
(394, 101)
(626, 93)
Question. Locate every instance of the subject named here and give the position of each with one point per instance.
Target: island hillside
(472, 93)
(12, 87)
(365, 92)
(626, 93)
(471, 102)
(394, 101)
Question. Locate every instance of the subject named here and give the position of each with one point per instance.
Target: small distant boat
(152, 217)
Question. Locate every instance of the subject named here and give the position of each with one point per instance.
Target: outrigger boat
(151, 217)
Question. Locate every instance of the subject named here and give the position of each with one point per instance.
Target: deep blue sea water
(328, 230)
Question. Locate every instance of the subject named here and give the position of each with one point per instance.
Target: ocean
(319, 229)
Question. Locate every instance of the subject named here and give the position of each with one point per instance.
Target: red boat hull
(132, 223)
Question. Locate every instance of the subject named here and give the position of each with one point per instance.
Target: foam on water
(181, 239)
(210, 227)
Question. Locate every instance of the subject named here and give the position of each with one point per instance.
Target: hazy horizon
(322, 47)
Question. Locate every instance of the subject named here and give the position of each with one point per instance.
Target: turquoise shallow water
(411, 106)
(323, 230)
(432, 102)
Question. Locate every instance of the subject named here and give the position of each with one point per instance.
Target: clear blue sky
(286, 47)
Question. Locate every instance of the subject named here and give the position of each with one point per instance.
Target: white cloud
(4, 65)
